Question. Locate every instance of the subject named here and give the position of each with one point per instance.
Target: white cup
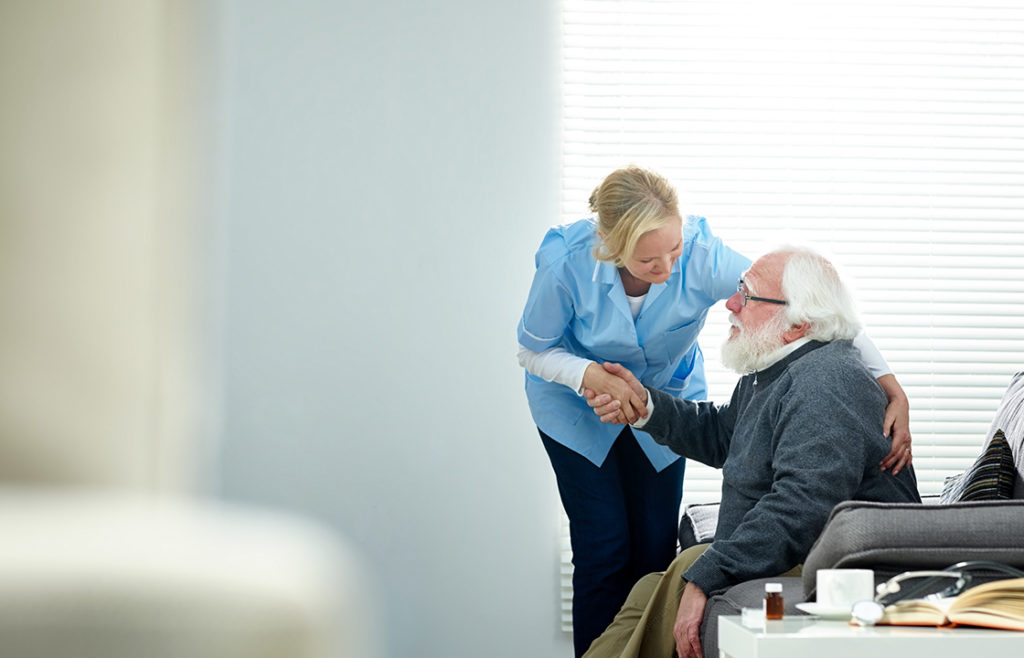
(841, 588)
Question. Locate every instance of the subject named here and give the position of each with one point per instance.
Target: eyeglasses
(741, 288)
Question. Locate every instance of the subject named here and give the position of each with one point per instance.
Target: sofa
(979, 516)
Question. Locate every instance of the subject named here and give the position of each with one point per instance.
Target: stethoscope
(868, 613)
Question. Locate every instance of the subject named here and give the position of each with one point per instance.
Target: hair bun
(594, 199)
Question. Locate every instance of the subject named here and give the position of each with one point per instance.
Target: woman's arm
(558, 365)
(555, 364)
(897, 425)
(897, 413)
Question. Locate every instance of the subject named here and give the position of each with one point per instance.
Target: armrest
(697, 524)
(894, 537)
(118, 574)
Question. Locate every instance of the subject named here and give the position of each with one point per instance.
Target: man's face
(756, 328)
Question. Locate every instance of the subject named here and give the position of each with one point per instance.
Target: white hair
(817, 296)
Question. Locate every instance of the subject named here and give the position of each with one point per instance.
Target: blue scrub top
(578, 303)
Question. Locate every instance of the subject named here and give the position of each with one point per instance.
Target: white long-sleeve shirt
(558, 365)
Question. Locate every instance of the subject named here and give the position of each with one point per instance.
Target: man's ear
(795, 332)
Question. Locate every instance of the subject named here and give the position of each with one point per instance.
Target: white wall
(388, 168)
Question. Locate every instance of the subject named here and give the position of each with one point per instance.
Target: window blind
(887, 134)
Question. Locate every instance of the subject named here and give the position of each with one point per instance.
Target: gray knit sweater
(795, 439)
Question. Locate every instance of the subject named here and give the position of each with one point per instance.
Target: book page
(917, 612)
(1007, 594)
(999, 604)
(989, 619)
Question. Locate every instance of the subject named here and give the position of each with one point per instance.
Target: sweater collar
(772, 372)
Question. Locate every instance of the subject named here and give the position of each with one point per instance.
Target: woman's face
(656, 252)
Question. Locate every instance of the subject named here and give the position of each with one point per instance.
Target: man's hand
(625, 401)
(687, 627)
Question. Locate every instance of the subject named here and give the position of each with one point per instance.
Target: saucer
(823, 611)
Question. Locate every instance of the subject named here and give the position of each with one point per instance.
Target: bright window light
(888, 134)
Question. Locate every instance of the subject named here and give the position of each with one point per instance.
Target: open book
(999, 604)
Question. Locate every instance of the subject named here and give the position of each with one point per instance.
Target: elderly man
(802, 432)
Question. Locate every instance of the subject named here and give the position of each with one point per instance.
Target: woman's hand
(614, 393)
(896, 425)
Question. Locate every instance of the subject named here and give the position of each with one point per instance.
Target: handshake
(614, 393)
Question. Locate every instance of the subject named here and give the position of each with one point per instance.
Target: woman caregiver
(634, 288)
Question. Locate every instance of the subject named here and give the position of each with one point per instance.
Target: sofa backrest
(1009, 417)
(894, 537)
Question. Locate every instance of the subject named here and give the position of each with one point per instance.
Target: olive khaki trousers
(643, 627)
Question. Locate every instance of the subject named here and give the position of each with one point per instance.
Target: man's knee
(685, 558)
(642, 591)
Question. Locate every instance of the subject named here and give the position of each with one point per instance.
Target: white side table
(810, 637)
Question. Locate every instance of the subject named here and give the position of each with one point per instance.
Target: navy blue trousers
(623, 524)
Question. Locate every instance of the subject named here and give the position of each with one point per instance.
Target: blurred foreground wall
(100, 170)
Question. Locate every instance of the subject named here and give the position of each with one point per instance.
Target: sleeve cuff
(639, 424)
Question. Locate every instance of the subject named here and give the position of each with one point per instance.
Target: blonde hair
(630, 202)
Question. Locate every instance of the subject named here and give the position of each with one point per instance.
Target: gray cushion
(992, 476)
(895, 537)
(1009, 417)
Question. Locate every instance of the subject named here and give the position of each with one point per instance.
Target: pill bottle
(773, 601)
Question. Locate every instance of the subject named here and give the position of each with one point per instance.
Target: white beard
(749, 351)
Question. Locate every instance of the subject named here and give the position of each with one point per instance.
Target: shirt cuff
(639, 424)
